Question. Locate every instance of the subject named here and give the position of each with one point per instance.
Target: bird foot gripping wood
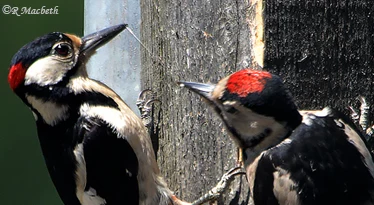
(221, 186)
(362, 120)
(144, 102)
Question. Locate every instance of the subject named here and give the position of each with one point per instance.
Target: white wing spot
(91, 198)
(339, 124)
(284, 187)
(128, 173)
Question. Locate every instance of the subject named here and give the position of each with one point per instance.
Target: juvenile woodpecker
(291, 157)
(96, 149)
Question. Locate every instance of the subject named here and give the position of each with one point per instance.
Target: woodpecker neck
(254, 132)
(267, 139)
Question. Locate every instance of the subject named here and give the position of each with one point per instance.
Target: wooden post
(322, 49)
(196, 41)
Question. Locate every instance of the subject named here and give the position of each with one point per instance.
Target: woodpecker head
(52, 59)
(254, 105)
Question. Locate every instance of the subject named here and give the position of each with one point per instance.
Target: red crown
(247, 81)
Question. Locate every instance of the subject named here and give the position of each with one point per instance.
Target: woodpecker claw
(145, 106)
(140, 102)
(362, 120)
(221, 186)
(354, 115)
(143, 92)
(364, 113)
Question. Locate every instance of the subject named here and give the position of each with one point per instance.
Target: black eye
(62, 50)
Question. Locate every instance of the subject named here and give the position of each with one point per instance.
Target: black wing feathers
(324, 165)
(111, 163)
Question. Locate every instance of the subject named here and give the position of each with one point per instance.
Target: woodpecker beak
(95, 40)
(204, 90)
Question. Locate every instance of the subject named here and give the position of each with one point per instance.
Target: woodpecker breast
(323, 161)
(126, 126)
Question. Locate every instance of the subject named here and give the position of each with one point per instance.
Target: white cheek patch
(47, 71)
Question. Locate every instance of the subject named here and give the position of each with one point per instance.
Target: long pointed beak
(204, 90)
(95, 40)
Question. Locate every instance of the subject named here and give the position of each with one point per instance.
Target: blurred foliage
(23, 175)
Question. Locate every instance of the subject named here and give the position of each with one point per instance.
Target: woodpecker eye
(62, 50)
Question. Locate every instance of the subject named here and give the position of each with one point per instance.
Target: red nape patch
(16, 75)
(247, 81)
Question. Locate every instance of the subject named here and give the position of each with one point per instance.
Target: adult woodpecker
(96, 149)
(291, 157)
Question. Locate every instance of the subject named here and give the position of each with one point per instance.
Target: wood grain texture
(322, 49)
(193, 41)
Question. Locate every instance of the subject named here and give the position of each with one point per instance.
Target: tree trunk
(322, 49)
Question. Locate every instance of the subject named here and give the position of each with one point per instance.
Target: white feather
(91, 198)
(47, 71)
(51, 112)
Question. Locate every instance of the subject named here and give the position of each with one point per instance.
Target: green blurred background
(23, 176)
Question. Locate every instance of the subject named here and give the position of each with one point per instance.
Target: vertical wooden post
(197, 41)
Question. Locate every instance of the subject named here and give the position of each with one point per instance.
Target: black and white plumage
(291, 157)
(96, 149)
